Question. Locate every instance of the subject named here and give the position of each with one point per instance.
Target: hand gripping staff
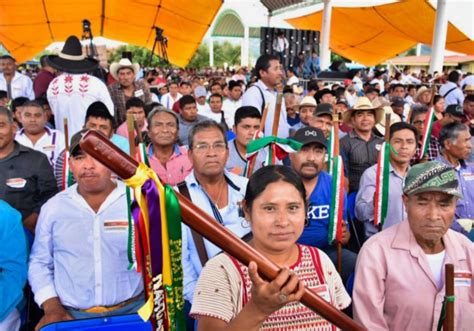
(125, 167)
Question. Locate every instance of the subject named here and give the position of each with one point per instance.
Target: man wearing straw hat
(125, 88)
(74, 90)
(400, 281)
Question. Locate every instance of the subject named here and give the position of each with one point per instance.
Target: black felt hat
(71, 59)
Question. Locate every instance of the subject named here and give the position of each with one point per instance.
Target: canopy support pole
(211, 51)
(244, 53)
(439, 38)
(325, 53)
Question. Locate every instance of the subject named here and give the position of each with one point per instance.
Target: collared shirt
(364, 207)
(168, 101)
(50, 144)
(122, 130)
(236, 163)
(358, 155)
(185, 127)
(230, 107)
(26, 180)
(231, 220)
(253, 97)
(20, 86)
(319, 208)
(395, 288)
(79, 255)
(465, 175)
(432, 152)
(41, 82)
(455, 97)
(13, 260)
(118, 97)
(69, 96)
(176, 169)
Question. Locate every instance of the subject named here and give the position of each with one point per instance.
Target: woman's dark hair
(265, 176)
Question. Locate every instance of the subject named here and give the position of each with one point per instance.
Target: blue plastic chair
(113, 323)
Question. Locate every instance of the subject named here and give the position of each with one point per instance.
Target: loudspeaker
(338, 66)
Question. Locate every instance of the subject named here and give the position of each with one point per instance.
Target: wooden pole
(276, 118)
(125, 167)
(66, 134)
(335, 119)
(449, 276)
(262, 127)
(131, 134)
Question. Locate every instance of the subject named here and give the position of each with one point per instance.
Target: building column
(211, 51)
(244, 50)
(325, 53)
(439, 38)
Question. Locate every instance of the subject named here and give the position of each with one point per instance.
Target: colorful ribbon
(442, 315)
(425, 140)
(337, 200)
(278, 148)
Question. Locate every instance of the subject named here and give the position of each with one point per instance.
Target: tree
(224, 52)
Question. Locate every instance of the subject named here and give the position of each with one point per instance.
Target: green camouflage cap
(431, 176)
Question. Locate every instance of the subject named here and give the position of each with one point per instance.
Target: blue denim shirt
(13, 259)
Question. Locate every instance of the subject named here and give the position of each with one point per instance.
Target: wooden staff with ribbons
(125, 167)
(251, 162)
(131, 134)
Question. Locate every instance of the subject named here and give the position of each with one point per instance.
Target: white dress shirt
(51, 143)
(455, 97)
(21, 86)
(168, 101)
(252, 97)
(69, 96)
(81, 256)
(230, 106)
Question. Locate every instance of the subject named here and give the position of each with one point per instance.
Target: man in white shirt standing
(172, 96)
(78, 263)
(15, 83)
(450, 90)
(36, 135)
(280, 45)
(269, 73)
(74, 90)
(233, 102)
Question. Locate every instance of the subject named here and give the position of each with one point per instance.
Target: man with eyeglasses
(214, 190)
(167, 159)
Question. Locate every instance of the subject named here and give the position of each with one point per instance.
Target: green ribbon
(258, 144)
(175, 293)
(131, 229)
(442, 316)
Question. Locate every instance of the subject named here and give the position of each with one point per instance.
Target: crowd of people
(63, 238)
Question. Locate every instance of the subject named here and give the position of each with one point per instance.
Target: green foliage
(337, 57)
(139, 54)
(224, 52)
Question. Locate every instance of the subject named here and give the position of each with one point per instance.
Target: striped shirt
(224, 287)
(358, 155)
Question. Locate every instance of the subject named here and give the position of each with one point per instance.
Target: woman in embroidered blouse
(230, 296)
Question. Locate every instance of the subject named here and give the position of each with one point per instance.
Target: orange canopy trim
(28, 26)
(371, 35)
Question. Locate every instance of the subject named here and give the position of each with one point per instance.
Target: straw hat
(421, 90)
(307, 101)
(115, 67)
(363, 103)
(394, 118)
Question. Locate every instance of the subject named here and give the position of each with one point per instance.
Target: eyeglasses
(218, 147)
(418, 122)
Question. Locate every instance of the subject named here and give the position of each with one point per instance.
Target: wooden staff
(276, 118)
(131, 134)
(110, 156)
(335, 119)
(262, 127)
(448, 324)
(66, 134)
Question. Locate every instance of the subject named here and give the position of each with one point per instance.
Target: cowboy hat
(71, 59)
(421, 91)
(363, 103)
(115, 67)
(394, 118)
(307, 101)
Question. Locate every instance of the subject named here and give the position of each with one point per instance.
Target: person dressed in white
(171, 97)
(78, 262)
(280, 45)
(269, 74)
(74, 90)
(408, 78)
(358, 84)
(450, 91)
(14, 83)
(36, 135)
(233, 102)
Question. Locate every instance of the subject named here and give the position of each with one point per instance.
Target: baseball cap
(342, 101)
(308, 135)
(323, 109)
(455, 110)
(200, 91)
(432, 176)
(397, 102)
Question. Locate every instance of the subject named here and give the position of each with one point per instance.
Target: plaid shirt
(118, 97)
(432, 152)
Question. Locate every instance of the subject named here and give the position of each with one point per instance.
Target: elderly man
(125, 87)
(15, 83)
(78, 263)
(403, 139)
(400, 281)
(216, 191)
(167, 159)
(456, 147)
(26, 177)
(309, 164)
(13, 265)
